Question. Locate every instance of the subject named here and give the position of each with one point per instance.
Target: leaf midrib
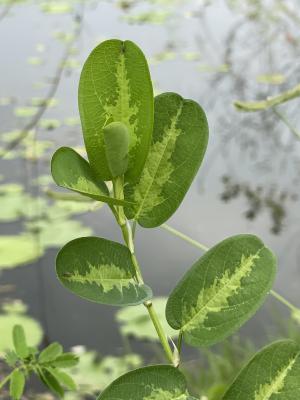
(98, 280)
(279, 380)
(183, 328)
(177, 116)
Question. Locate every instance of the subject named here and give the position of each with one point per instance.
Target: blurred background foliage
(216, 51)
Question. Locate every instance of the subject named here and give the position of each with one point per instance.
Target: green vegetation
(140, 157)
(221, 291)
(49, 365)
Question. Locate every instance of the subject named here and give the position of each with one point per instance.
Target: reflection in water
(258, 200)
(213, 51)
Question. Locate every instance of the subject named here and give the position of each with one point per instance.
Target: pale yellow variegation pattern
(107, 276)
(123, 109)
(215, 298)
(82, 183)
(276, 385)
(160, 394)
(148, 192)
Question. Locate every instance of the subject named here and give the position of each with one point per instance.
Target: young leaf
(156, 382)
(50, 353)
(63, 378)
(66, 360)
(19, 341)
(116, 140)
(11, 358)
(115, 86)
(179, 142)
(222, 290)
(100, 270)
(71, 171)
(51, 382)
(17, 383)
(273, 373)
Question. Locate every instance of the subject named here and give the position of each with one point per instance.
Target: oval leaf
(156, 382)
(100, 270)
(50, 353)
(17, 383)
(71, 171)
(66, 360)
(19, 341)
(222, 290)
(63, 378)
(116, 140)
(179, 142)
(115, 86)
(51, 382)
(273, 373)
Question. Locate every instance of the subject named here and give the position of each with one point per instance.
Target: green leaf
(11, 358)
(50, 353)
(115, 86)
(66, 360)
(17, 383)
(116, 140)
(135, 322)
(50, 381)
(157, 382)
(273, 373)
(71, 171)
(100, 270)
(8, 320)
(19, 341)
(63, 378)
(179, 142)
(222, 290)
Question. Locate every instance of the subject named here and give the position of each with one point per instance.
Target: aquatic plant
(151, 149)
(49, 365)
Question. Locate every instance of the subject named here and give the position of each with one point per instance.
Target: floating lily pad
(25, 111)
(56, 7)
(18, 250)
(92, 374)
(135, 321)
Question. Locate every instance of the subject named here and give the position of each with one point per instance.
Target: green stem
(6, 379)
(205, 248)
(179, 342)
(159, 329)
(184, 237)
(128, 238)
(127, 235)
(269, 102)
(133, 228)
(286, 121)
(284, 301)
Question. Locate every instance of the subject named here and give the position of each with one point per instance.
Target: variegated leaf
(222, 290)
(273, 374)
(178, 145)
(115, 86)
(157, 382)
(71, 171)
(100, 270)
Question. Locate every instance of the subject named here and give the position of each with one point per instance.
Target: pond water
(214, 53)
